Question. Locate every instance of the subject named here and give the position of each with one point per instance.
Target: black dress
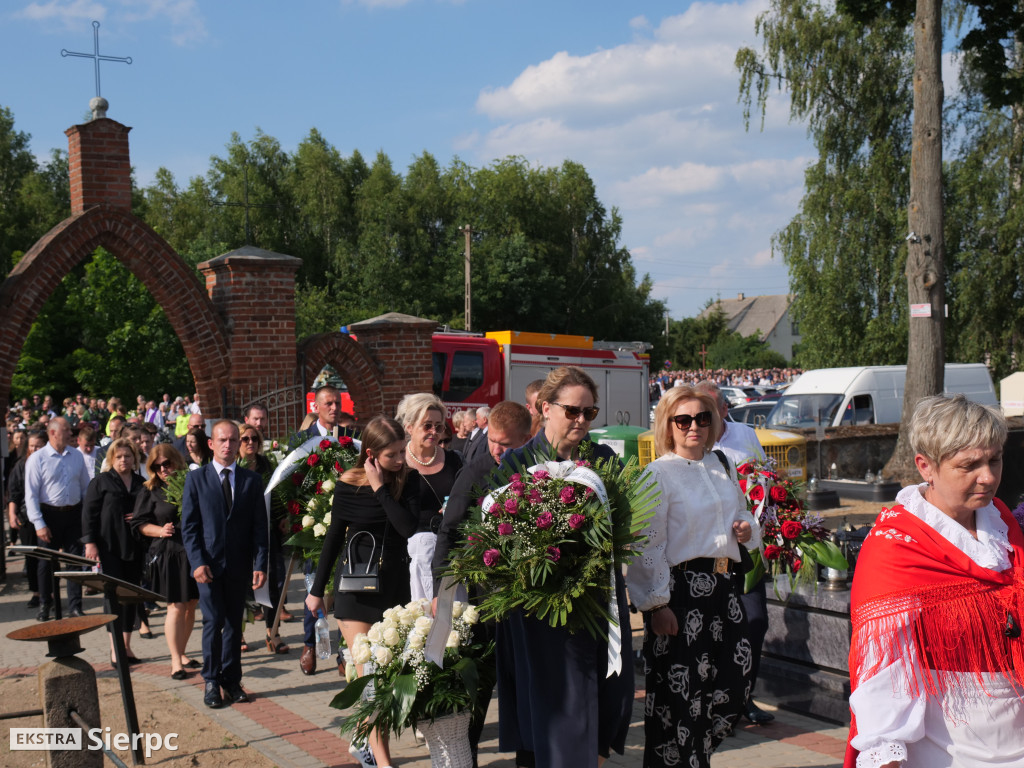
(554, 696)
(170, 572)
(107, 503)
(433, 490)
(358, 508)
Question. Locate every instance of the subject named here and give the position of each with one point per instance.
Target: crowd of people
(937, 602)
(662, 381)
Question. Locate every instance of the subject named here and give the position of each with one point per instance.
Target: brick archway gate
(148, 256)
(237, 330)
(353, 364)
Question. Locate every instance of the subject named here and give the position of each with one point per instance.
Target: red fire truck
(471, 370)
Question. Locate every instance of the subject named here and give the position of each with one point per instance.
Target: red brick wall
(254, 291)
(99, 165)
(172, 282)
(401, 347)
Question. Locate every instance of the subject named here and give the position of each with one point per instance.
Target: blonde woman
(422, 415)
(170, 573)
(106, 529)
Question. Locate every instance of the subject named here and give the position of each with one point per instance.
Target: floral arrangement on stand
(307, 493)
(550, 540)
(400, 688)
(791, 538)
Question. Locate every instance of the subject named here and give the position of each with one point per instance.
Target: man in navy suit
(224, 527)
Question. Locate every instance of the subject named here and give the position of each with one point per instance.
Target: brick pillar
(254, 292)
(400, 345)
(98, 164)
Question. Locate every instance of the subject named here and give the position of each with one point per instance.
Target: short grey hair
(484, 411)
(944, 425)
(709, 387)
(457, 418)
(411, 408)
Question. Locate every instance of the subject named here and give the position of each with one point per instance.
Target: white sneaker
(363, 754)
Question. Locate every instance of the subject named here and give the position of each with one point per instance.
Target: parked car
(739, 395)
(753, 414)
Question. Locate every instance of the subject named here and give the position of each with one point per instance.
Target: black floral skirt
(697, 681)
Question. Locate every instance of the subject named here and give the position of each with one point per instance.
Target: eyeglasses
(162, 465)
(428, 427)
(683, 421)
(573, 412)
(248, 439)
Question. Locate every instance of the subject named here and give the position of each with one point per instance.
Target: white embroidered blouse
(694, 517)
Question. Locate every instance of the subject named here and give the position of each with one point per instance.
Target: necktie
(225, 486)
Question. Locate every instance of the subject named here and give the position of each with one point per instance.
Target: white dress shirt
(739, 442)
(55, 479)
(698, 505)
(233, 467)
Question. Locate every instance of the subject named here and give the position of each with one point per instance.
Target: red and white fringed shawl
(913, 588)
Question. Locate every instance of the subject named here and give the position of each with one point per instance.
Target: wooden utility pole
(468, 232)
(926, 246)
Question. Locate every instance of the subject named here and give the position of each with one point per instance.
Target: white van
(867, 394)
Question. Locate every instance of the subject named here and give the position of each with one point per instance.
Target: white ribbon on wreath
(560, 470)
(293, 461)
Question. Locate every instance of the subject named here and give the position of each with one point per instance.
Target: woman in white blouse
(687, 583)
(936, 657)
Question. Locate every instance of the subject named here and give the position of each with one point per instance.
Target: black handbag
(360, 577)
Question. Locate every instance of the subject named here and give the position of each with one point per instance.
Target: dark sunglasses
(684, 421)
(163, 465)
(248, 439)
(572, 412)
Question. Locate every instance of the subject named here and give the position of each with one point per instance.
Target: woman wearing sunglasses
(169, 572)
(554, 697)
(687, 582)
(422, 415)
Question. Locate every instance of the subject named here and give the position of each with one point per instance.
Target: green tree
(16, 164)
(845, 248)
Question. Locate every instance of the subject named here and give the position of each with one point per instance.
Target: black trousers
(755, 606)
(27, 537)
(65, 534)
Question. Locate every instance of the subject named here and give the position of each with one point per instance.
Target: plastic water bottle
(323, 637)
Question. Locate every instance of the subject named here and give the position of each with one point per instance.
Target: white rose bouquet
(399, 686)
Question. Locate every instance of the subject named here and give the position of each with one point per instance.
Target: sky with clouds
(643, 94)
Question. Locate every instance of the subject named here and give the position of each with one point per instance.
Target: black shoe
(756, 715)
(235, 694)
(44, 612)
(74, 613)
(179, 674)
(34, 602)
(192, 664)
(211, 697)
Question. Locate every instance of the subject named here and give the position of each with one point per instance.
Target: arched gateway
(238, 332)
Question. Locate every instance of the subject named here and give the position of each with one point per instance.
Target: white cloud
(69, 14)
(656, 122)
(185, 20)
(187, 23)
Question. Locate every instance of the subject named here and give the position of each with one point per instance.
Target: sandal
(278, 647)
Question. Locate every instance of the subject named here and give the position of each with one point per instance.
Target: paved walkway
(290, 722)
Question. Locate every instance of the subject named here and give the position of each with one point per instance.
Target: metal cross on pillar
(98, 104)
(246, 204)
